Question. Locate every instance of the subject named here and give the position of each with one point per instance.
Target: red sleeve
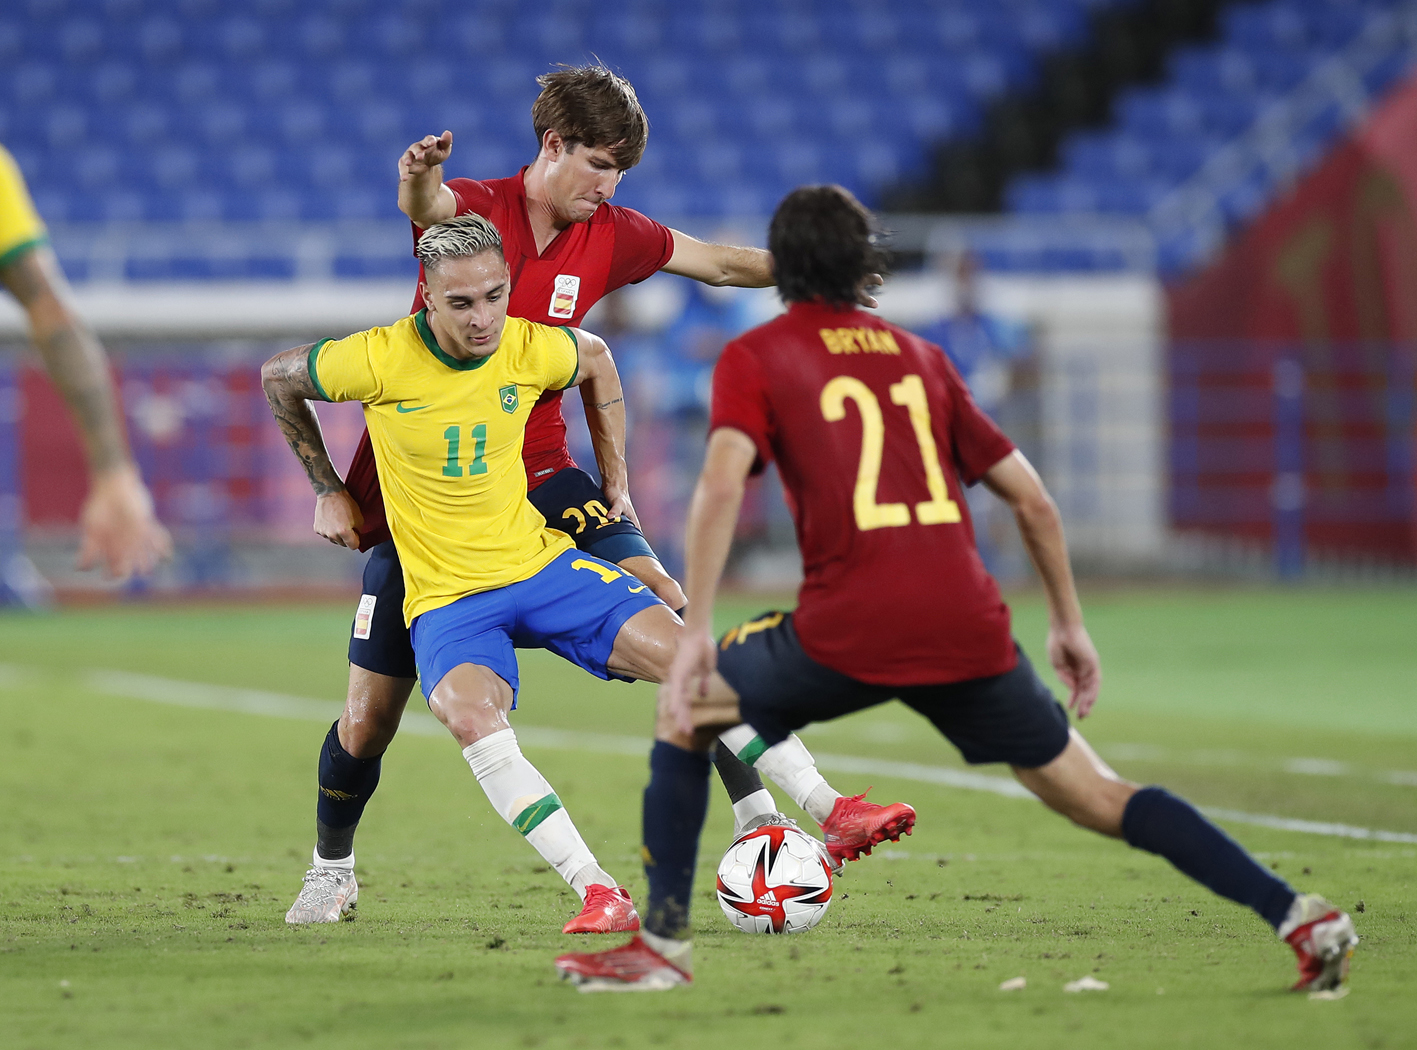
(470, 194)
(642, 247)
(977, 441)
(740, 400)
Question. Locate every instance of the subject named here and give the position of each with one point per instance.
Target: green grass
(148, 854)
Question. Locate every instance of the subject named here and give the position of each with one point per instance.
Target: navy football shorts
(574, 607)
(1012, 717)
(569, 500)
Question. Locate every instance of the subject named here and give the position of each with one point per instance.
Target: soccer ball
(774, 880)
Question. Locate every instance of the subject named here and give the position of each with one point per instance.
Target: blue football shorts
(574, 607)
(569, 500)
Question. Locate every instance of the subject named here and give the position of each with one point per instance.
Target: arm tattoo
(72, 356)
(606, 404)
(289, 388)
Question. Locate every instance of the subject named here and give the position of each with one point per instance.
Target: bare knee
(1081, 787)
(648, 570)
(373, 708)
(472, 701)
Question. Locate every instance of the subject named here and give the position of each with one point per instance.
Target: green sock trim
(529, 818)
(753, 751)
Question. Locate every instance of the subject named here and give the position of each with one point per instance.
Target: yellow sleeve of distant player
(341, 369)
(563, 361)
(20, 225)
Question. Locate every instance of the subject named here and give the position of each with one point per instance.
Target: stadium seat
(1214, 92)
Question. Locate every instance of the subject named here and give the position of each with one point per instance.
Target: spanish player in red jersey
(873, 432)
(566, 247)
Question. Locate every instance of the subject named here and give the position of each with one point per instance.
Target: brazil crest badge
(509, 398)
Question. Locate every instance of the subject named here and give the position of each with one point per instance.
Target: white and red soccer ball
(774, 879)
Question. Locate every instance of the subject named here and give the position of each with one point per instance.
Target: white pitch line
(279, 705)
(1311, 827)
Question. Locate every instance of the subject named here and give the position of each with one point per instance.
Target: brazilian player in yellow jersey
(446, 394)
(447, 436)
(119, 529)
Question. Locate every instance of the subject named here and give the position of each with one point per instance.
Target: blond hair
(459, 237)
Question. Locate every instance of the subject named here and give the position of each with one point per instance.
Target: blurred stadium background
(1171, 243)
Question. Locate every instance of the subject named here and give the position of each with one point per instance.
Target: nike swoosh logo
(636, 590)
(399, 408)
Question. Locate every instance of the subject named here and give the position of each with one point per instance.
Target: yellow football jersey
(447, 437)
(20, 225)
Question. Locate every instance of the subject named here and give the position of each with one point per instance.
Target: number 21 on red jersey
(939, 509)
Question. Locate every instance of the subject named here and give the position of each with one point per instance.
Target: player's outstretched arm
(422, 195)
(1070, 649)
(290, 389)
(721, 265)
(726, 266)
(120, 531)
(713, 515)
(603, 397)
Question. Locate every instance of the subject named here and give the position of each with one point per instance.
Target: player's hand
(424, 155)
(866, 295)
(695, 661)
(620, 505)
(337, 519)
(120, 532)
(1075, 659)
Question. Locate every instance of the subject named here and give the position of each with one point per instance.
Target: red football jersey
(586, 262)
(873, 430)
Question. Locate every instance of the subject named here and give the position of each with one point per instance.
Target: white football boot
(1323, 938)
(329, 894)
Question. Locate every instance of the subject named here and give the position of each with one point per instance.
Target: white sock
(346, 864)
(525, 800)
(591, 875)
(680, 953)
(758, 804)
(791, 767)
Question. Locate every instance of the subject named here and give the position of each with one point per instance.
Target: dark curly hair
(823, 245)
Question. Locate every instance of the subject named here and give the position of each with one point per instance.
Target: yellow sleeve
(563, 363)
(341, 369)
(20, 225)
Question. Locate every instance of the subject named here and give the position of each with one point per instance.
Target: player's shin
(346, 785)
(789, 765)
(525, 800)
(675, 805)
(1157, 821)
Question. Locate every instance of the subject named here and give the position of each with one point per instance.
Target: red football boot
(855, 825)
(1323, 938)
(634, 967)
(607, 909)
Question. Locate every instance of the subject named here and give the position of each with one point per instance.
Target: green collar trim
(425, 333)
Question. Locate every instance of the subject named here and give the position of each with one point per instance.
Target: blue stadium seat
(298, 111)
(1165, 134)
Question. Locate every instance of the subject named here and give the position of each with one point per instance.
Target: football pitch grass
(155, 831)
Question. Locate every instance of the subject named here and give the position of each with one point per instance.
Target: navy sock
(1157, 821)
(676, 803)
(739, 779)
(346, 785)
